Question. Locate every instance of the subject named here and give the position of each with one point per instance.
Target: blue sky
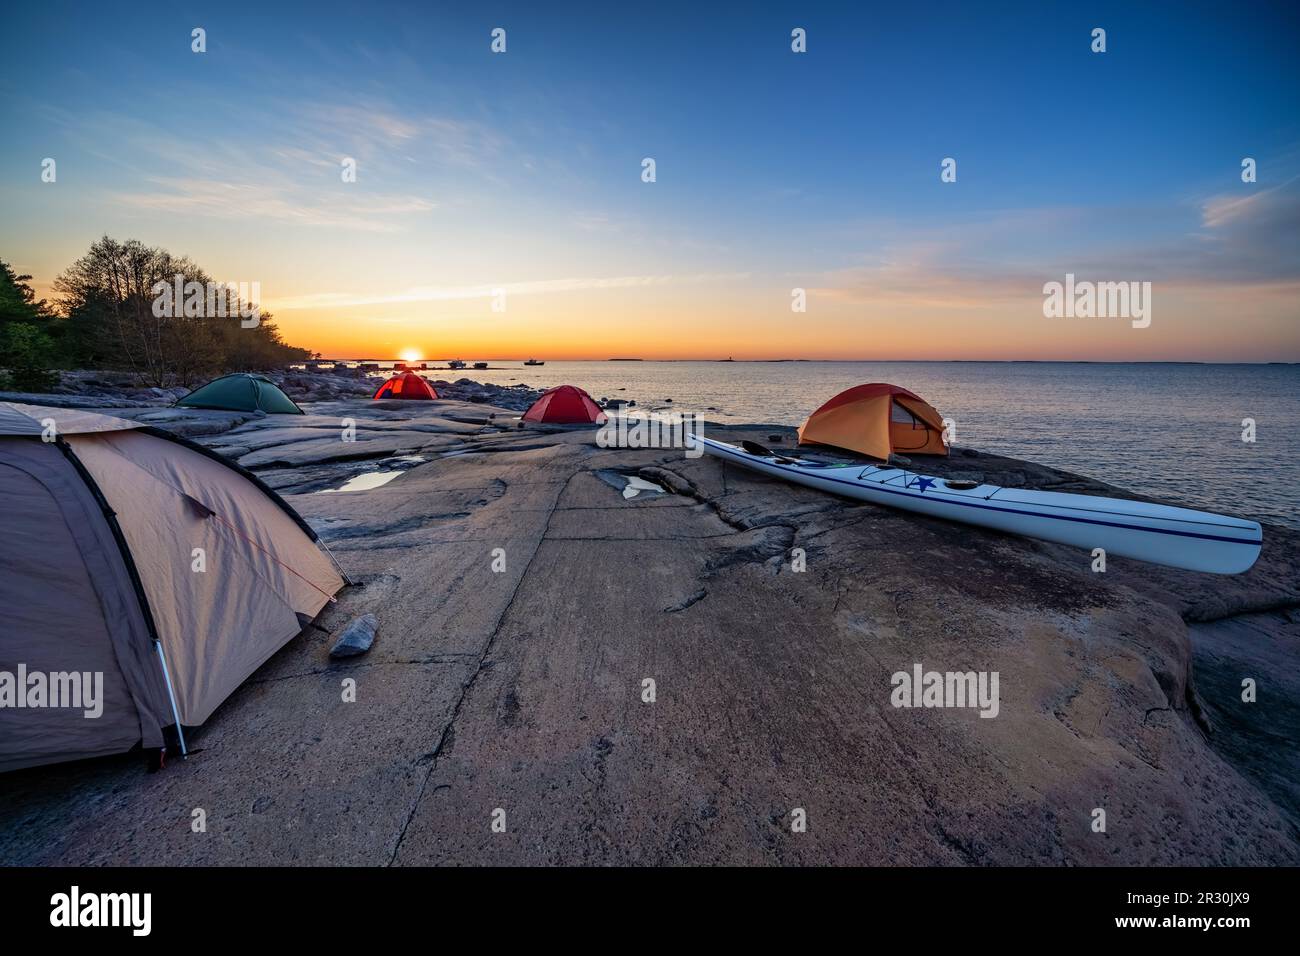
(819, 170)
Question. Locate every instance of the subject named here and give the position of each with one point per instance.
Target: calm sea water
(1168, 430)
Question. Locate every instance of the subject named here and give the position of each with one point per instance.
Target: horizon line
(726, 361)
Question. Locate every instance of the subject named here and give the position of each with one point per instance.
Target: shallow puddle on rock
(373, 479)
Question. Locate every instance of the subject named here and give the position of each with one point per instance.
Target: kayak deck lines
(1226, 522)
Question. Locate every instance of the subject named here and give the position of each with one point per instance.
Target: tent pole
(343, 574)
(171, 696)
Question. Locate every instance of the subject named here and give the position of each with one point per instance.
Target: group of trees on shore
(106, 317)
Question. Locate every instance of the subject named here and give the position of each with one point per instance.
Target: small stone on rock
(357, 637)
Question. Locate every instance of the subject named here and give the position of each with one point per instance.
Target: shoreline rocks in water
(521, 685)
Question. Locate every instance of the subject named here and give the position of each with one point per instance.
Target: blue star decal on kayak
(922, 483)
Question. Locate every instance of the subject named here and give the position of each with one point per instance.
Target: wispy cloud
(1230, 210)
(330, 300)
(286, 165)
(1231, 240)
(281, 203)
(378, 131)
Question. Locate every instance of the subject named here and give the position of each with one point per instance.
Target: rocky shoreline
(524, 688)
(103, 389)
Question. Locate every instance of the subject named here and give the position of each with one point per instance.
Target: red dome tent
(406, 385)
(565, 405)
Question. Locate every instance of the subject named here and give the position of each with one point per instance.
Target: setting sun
(410, 355)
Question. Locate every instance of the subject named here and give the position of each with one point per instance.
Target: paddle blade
(754, 448)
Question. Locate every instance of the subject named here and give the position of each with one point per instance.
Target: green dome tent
(242, 392)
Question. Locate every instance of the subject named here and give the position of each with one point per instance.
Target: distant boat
(480, 364)
(534, 362)
(455, 363)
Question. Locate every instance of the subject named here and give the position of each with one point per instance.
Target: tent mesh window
(898, 415)
(901, 416)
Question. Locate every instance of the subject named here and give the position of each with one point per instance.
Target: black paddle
(754, 448)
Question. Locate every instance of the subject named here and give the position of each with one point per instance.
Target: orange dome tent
(406, 385)
(876, 419)
(565, 405)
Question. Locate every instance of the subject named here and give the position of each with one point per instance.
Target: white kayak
(1177, 537)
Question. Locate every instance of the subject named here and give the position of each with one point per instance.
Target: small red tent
(406, 385)
(565, 405)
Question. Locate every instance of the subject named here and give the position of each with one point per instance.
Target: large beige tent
(129, 553)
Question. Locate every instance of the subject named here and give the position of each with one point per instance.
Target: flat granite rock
(664, 679)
